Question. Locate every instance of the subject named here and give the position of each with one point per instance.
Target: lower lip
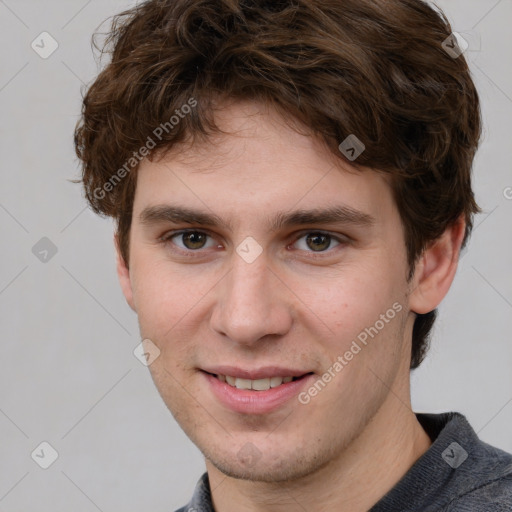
(246, 401)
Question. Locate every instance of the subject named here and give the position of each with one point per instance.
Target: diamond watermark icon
(146, 352)
(351, 147)
(454, 455)
(44, 455)
(44, 250)
(249, 455)
(249, 249)
(44, 45)
(455, 45)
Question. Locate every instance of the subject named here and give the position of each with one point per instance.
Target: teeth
(276, 381)
(243, 384)
(261, 384)
(256, 385)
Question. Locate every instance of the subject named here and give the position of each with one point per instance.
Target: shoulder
(495, 496)
(489, 484)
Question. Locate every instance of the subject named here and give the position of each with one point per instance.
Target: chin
(286, 466)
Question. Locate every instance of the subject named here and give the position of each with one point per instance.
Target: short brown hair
(373, 68)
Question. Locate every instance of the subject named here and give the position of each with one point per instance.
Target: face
(257, 259)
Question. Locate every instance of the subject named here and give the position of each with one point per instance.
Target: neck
(353, 481)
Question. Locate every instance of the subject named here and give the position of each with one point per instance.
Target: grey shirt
(458, 473)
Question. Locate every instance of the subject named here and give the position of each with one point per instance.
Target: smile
(256, 385)
(255, 392)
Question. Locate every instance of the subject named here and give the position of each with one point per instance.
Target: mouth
(260, 391)
(263, 384)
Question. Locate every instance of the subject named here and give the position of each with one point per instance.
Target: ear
(124, 275)
(436, 269)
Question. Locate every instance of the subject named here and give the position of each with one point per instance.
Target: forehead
(259, 163)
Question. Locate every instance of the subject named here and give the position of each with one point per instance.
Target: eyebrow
(331, 215)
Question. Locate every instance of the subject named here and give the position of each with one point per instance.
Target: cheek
(349, 300)
(167, 297)
(157, 295)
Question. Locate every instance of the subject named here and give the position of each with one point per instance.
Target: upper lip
(255, 374)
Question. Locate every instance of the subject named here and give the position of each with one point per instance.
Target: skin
(298, 305)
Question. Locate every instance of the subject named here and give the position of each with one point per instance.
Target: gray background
(67, 372)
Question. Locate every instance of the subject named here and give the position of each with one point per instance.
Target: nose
(252, 303)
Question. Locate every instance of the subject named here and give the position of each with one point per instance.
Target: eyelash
(166, 239)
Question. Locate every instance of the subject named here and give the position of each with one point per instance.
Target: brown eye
(318, 241)
(194, 240)
(191, 241)
(190, 244)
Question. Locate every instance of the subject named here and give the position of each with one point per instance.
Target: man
(291, 182)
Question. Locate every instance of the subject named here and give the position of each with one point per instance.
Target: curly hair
(378, 69)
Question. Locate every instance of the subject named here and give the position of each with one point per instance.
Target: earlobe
(123, 274)
(436, 269)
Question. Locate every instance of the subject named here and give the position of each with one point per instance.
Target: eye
(316, 241)
(189, 240)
